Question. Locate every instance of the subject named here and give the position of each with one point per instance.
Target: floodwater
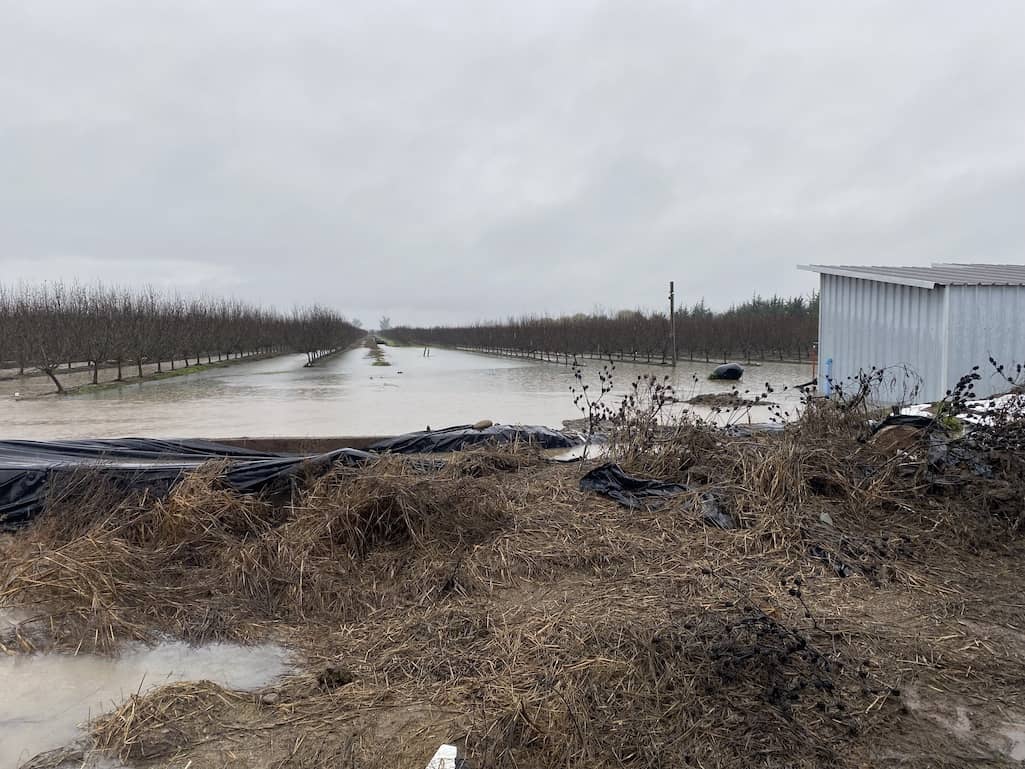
(1003, 734)
(48, 697)
(346, 395)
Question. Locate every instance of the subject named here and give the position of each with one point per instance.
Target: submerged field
(345, 395)
(865, 610)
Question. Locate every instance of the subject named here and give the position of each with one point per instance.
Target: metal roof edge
(978, 264)
(825, 269)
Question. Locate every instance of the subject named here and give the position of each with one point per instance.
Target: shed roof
(930, 277)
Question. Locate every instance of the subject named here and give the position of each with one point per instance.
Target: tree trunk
(118, 370)
(138, 363)
(53, 378)
(96, 372)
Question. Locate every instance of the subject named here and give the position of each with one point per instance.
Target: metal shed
(926, 326)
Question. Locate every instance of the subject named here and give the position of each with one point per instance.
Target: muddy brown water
(347, 395)
(47, 698)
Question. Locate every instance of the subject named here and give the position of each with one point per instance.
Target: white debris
(980, 412)
(976, 412)
(919, 410)
(445, 758)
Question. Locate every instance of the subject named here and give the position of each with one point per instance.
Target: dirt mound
(491, 603)
(209, 563)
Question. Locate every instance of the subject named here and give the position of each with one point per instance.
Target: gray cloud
(458, 160)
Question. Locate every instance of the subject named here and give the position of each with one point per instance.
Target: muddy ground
(863, 613)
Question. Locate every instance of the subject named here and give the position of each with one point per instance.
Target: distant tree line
(51, 325)
(775, 328)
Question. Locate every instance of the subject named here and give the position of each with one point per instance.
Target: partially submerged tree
(50, 325)
(50, 334)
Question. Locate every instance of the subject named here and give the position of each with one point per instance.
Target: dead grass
(492, 603)
(165, 721)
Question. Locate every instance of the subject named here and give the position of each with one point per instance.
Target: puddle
(46, 697)
(1004, 736)
(594, 450)
(1010, 740)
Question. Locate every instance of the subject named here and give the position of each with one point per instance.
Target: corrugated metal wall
(984, 322)
(865, 324)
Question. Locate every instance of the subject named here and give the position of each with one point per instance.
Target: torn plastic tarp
(28, 467)
(945, 450)
(463, 436)
(712, 512)
(917, 421)
(611, 481)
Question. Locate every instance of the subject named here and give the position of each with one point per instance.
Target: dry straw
(491, 603)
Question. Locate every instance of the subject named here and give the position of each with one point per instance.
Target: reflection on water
(345, 395)
(47, 697)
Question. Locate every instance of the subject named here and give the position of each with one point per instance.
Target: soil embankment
(863, 610)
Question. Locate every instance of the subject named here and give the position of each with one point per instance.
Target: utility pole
(672, 319)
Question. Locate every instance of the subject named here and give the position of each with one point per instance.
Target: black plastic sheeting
(904, 420)
(628, 490)
(465, 436)
(948, 456)
(712, 512)
(28, 467)
(730, 372)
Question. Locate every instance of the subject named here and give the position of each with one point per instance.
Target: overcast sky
(457, 160)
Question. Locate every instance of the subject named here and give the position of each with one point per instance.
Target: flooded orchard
(52, 699)
(817, 593)
(349, 395)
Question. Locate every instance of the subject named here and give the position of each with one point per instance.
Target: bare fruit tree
(776, 328)
(51, 325)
